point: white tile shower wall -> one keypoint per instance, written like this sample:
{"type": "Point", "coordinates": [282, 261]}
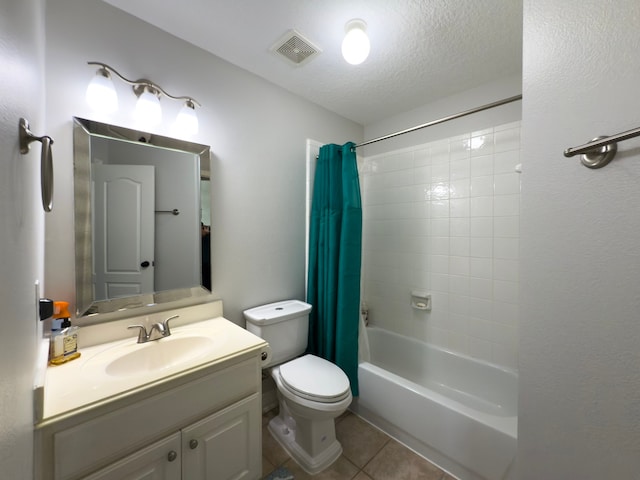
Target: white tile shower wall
{"type": "Point", "coordinates": [444, 217]}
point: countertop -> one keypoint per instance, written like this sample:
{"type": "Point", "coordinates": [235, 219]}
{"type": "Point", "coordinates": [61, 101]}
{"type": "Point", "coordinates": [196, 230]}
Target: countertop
{"type": "Point", "coordinates": [85, 381]}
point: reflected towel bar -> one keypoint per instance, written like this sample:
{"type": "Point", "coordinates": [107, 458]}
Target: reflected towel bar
{"type": "Point", "coordinates": [175, 211]}
{"type": "Point", "coordinates": [601, 150]}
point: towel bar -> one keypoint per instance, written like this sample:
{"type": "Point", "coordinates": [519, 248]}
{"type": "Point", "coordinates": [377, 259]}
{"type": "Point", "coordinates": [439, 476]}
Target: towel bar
{"type": "Point", "coordinates": [601, 150]}
{"type": "Point", "coordinates": [46, 162]}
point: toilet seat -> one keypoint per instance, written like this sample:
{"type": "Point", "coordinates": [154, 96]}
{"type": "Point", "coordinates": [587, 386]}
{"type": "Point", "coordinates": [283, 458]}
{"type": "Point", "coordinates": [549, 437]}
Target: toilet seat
{"type": "Point", "coordinates": [315, 379]}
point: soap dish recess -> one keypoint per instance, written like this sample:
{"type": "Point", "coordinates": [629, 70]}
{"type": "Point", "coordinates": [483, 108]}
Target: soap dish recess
{"type": "Point", "coordinates": [420, 300]}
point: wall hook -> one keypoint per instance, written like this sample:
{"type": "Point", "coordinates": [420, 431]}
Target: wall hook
{"type": "Point", "coordinates": [46, 162]}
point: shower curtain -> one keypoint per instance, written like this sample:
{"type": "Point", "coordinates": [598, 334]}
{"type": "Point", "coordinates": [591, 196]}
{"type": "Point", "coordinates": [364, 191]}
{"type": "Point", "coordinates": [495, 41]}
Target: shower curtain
{"type": "Point", "coordinates": [335, 245]}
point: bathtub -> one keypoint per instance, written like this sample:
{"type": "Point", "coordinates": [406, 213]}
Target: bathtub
{"type": "Point", "coordinates": [458, 412]}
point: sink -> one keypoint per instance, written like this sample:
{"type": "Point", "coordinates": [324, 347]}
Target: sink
{"type": "Point", "coordinates": [131, 359]}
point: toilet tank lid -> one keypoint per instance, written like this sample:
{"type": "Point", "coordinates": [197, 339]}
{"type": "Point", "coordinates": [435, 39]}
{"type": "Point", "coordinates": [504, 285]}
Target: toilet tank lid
{"type": "Point", "coordinates": [276, 312]}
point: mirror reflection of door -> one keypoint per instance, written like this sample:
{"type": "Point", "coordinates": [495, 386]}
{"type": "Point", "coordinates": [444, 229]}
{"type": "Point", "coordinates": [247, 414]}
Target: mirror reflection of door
{"type": "Point", "coordinates": [123, 230]}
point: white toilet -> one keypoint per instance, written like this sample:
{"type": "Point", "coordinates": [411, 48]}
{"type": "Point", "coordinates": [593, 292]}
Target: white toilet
{"type": "Point", "coordinates": [312, 391]}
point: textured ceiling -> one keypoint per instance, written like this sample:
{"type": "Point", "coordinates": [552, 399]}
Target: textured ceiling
{"type": "Point", "coordinates": [421, 50]}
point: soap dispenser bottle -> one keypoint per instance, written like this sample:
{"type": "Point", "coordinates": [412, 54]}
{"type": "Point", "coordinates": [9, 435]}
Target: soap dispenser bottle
{"type": "Point", "coordinates": [63, 345]}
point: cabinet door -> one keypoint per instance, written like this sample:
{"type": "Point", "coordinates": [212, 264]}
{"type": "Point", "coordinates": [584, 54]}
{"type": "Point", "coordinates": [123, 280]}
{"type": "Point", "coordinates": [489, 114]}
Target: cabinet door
{"type": "Point", "coordinates": [159, 461]}
{"type": "Point", "coordinates": [226, 445]}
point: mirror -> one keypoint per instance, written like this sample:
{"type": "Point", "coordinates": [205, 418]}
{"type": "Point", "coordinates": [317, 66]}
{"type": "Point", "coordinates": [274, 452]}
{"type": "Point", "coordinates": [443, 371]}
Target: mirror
{"type": "Point", "coordinates": [142, 217]}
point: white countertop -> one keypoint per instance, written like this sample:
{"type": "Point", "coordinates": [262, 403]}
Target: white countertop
{"type": "Point", "coordinates": [85, 381]}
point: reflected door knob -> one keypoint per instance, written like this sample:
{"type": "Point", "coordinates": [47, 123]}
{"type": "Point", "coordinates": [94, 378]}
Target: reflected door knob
{"type": "Point", "coordinates": [145, 264]}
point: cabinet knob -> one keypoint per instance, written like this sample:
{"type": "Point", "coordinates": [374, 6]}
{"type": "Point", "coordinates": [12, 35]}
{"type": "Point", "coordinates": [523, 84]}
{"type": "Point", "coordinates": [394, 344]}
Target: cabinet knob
{"type": "Point", "coordinates": [193, 444]}
{"type": "Point", "coordinates": [172, 456]}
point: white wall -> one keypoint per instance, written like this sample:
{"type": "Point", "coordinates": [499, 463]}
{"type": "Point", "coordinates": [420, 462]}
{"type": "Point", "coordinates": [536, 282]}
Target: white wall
{"type": "Point", "coordinates": [21, 228]}
{"type": "Point", "coordinates": [580, 312]}
{"type": "Point", "coordinates": [443, 218]}
{"type": "Point", "coordinates": [256, 130]}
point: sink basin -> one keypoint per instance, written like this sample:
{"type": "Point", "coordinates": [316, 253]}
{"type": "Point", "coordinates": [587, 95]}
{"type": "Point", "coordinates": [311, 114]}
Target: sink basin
{"type": "Point", "coordinates": [133, 359]}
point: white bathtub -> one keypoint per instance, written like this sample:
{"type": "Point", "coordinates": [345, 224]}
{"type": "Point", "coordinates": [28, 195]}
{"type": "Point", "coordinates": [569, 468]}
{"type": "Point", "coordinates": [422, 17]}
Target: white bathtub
{"type": "Point", "coordinates": [458, 412]}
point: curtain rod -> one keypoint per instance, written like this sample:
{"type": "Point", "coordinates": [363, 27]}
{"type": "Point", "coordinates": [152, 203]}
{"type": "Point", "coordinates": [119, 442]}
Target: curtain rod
{"type": "Point", "coordinates": [442, 120]}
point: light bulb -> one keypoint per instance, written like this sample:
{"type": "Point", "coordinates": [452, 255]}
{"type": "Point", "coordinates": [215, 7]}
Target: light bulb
{"type": "Point", "coordinates": [101, 94]}
{"type": "Point", "coordinates": [187, 120]}
{"type": "Point", "coordinates": [148, 110]}
{"type": "Point", "coordinates": [355, 46]}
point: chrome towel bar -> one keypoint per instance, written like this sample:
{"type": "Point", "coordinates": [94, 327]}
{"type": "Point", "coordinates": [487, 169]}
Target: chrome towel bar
{"type": "Point", "coordinates": [601, 150]}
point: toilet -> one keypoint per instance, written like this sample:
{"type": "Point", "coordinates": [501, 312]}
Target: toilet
{"type": "Point", "coordinates": [312, 391]}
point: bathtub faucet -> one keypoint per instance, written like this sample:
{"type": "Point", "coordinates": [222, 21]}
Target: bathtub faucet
{"type": "Point", "coordinates": [364, 311]}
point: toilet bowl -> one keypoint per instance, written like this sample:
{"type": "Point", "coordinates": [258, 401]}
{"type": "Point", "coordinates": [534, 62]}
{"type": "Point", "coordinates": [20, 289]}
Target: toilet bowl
{"type": "Point", "coordinates": [312, 392]}
{"type": "Point", "coordinates": [309, 405]}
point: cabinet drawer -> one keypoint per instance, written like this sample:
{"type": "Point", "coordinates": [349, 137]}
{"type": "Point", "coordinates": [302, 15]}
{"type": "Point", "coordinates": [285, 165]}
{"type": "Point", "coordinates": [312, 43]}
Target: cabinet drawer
{"type": "Point", "coordinates": [85, 447]}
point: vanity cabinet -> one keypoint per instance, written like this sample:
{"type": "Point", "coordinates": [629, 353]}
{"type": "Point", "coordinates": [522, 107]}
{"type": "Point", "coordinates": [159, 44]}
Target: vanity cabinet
{"type": "Point", "coordinates": [205, 424]}
{"type": "Point", "coordinates": [221, 446]}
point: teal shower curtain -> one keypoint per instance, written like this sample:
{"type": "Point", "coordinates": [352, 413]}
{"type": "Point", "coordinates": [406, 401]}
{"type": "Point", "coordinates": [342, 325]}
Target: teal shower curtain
{"type": "Point", "coordinates": [335, 244]}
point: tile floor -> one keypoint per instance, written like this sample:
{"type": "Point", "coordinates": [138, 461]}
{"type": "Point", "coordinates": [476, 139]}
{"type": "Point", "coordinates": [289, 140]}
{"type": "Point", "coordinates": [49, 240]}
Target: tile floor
{"type": "Point", "coordinates": [368, 454]}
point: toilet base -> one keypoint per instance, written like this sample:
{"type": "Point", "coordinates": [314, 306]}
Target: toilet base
{"type": "Point", "coordinates": [284, 431]}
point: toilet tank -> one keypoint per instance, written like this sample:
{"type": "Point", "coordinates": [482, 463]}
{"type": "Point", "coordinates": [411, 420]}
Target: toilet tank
{"type": "Point", "coordinates": [284, 325]}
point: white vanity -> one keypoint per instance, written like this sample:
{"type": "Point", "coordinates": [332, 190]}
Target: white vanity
{"type": "Point", "coordinates": [187, 406]}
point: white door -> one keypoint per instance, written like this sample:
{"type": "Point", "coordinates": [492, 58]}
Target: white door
{"type": "Point", "coordinates": [123, 224]}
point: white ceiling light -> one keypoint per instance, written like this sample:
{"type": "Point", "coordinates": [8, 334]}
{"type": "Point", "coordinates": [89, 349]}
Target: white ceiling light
{"type": "Point", "coordinates": [355, 46]}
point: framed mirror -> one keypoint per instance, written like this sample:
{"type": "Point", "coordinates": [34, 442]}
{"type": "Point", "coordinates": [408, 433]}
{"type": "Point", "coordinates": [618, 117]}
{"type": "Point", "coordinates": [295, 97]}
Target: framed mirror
{"type": "Point", "coordinates": [142, 217]}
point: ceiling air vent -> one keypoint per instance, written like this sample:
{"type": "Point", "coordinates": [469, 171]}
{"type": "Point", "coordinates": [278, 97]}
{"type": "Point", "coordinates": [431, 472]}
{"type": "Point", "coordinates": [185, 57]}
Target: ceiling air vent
{"type": "Point", "coordinates": [295, 48]}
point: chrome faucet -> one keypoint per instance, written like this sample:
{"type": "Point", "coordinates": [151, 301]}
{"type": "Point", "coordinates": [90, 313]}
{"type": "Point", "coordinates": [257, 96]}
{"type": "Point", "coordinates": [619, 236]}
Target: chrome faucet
{"type": "Point", "coordinates": [162, 329]}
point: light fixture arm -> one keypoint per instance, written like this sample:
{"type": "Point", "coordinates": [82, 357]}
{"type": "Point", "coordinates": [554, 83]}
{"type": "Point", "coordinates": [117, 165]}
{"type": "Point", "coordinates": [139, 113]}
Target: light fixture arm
{"type": "Point", "coordinates": [139, 85]}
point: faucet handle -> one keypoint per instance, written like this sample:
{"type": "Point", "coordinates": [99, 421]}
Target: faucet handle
{"type": "Point", "coordinates": [167, 330]}
{"type": "Point", "coordinates": [143, 336]}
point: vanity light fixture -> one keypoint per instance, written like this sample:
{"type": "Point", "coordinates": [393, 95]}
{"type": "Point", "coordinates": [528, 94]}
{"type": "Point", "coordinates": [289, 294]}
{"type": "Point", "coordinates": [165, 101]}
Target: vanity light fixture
{"type": "Point", "coordinates": [101, 95]}
{"type": "Point", "coordinates": [355, 46]}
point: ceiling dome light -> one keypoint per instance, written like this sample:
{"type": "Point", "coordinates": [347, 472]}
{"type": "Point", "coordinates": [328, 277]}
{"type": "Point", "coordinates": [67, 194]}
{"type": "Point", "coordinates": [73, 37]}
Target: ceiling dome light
{"type": "Point", "coordinates": [101, 94]}
{"type": "Point", "coordinates": [355, 46]}
{"type": "Point", "coordinates": [187, 120]}
{"type": "Point", "coordinates": [148, 110]}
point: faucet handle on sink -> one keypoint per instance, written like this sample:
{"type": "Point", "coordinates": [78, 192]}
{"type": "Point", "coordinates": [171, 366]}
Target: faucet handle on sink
{"type": "Point", "coordinates": [167, 330]}
{"type": "Point", "coordinates": [143, 336]}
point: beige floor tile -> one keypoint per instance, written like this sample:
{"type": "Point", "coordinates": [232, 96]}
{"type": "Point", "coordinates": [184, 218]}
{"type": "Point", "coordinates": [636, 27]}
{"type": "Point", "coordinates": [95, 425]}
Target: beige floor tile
{"type": "Point", "coordinates": [448, 477]}
{"type": "Point", "coordinates": [267, 466]}
{"type": "Point", "coordinates": [271, 449]}
{"type": "Point", "coordinates": [362, 476]}
{"type": "Point", "coordinates": [342, 469]}
{"type": "Point", "coordinates": [360, 441]}
{"type": "Point", "coordinates": [396, 462]}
